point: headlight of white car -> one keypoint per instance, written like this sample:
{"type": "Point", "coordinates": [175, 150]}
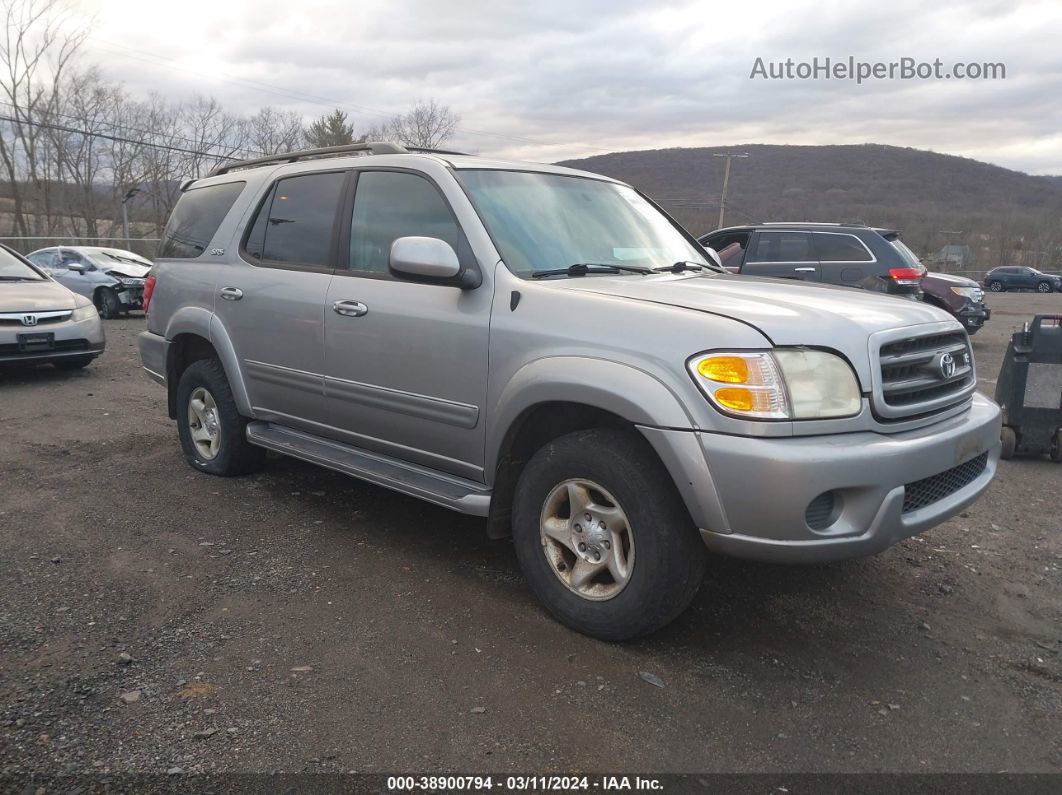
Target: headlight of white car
{"type": "Point", "coordinates": [84, 313]}
{"type": "Point", "coordinates": [783, 384]}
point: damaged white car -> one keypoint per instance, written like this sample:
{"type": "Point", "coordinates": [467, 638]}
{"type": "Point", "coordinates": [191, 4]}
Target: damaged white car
{"type": "Point", "coordinates": [111, 277]}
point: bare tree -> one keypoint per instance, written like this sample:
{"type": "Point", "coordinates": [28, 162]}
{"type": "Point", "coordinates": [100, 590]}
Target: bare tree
{"type": "Point", "coordinates": [35, 48]}
{"type": "Point", "coordinates": [270, 131]}
{"type": "Point", "coordinates": [427, 125]}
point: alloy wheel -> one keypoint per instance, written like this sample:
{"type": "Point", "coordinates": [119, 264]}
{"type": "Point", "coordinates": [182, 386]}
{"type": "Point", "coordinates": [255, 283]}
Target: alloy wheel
{"type": "Point", "coordinates": [587, 539]}
{"type": "Point", "coordinates": [204, 422]}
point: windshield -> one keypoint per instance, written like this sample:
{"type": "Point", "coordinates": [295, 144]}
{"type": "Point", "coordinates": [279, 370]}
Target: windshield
{"type": "Point", "coordinates": [12, 268]}
{"type": "Point", "coordinates": [544, 222]}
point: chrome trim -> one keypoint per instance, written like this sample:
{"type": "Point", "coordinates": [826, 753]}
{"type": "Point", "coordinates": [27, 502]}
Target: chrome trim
{"type": "Point", "coordinates": [879, 339]}
{"type": "Point", "coordinates": [47, 315]}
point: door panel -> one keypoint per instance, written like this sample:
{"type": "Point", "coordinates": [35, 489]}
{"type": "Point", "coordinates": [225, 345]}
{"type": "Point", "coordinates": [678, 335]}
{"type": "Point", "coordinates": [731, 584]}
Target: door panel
{"type": "Point", "coordinates": [273, 310]}
{"type": "Point", "coordinates": [408, 375]}
{"type": "Point", "coordinates": [786, 255]}
{"type": "Point", "coordinates": [843, 258]}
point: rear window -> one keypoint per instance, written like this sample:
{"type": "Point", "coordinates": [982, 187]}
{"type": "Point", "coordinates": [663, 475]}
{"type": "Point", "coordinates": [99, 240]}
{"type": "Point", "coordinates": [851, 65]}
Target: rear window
{"type": "Point", "coordinates": [195, 219]}
{"type": "Point", "coordinates": [909, 257]}
{"type": "Point", "coordinates": [834, 247]}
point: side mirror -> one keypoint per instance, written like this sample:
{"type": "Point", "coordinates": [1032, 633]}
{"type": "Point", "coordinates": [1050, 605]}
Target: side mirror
{"type": "Point", "coordinates": [713, 256]}
{"type": "Point", "coordinates": [423, 259]}
{"type": "Point", "coordinates": [77, 267]}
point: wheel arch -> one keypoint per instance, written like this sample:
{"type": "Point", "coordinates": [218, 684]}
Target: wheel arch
{"type": "Point", "coordinates": [551, 398]}
{"type": "Point", "coordinates": [193, 335]}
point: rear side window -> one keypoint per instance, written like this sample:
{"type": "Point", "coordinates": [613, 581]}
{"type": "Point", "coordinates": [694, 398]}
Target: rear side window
{"type": "Point", "coordinates": [392, 204]}
{"type": "Point", "coordinates": [195, 219]}
{"type": "Point", "coordinates": [840, 248]}
{"type": "Point", "coordinates": [295, 223]}
{"type": "Point", "coordinates": [782, 247]}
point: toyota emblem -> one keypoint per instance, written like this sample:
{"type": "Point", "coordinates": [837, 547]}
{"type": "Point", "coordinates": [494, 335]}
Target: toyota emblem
{"type": "Point", "coordinates": [29, 320]}
{"type": "Point", "coordinates": [946, 363]}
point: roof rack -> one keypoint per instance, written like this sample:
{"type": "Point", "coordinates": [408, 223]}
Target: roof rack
{"type": "Point", "coordinates": [367, 147]}
{"type": "Point", "coordinates": [809, 223]}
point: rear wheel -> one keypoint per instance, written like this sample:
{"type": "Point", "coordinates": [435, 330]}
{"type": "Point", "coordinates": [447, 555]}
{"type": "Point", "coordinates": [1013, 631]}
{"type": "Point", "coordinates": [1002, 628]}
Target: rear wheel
{"type": "Point", "coordinates": [211, 430]}
{"type": "Point", "coordinates": [1043, 287]}
{"type": "Point", "coordinates": [996, 286]}
{"type": "Point", "coordinates": [1056, 447]}
{"type": "Point", "coordinates": [603, 537]}
{"type": "Point", "coordinates": [107, 303]}
{"type": "Point", "coordinates": [1009, 441]}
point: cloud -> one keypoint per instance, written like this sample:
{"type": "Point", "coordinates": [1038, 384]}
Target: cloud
{"type": "Point", "coordinates": [549, 79]}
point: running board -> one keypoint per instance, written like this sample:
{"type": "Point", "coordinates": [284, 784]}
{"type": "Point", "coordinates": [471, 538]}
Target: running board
{"type": "Point", "coordinates": [449, 491]}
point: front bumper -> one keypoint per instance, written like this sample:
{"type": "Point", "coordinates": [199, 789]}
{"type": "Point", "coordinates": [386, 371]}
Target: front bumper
{"type": "Point", "coordinates": [72, 339]}
{"type": "Point", "coordinates": [131, 297]}
{"type": "Point", "coordinates": [973, 316]}
{"type": "Point", "coordinates": [752, 497]}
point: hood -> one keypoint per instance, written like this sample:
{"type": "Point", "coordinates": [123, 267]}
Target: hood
{"type": "Point", "coordinates": [947, 278]}
{"type": "Point", "coordinates": [35, 297]}
{"type": "Point", "coordinates": [786, 311]}
{"type": "Point", "coordinates": [129, 270]}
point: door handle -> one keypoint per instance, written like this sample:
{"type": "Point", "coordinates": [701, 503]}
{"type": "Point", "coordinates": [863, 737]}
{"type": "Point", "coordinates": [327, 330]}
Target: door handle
{"type": "Point", "coordinates": [231, 293]}
{"type": "Point", "coordinates": [349, 308]}
{"type": "Point", "coordinates": [804, 270]}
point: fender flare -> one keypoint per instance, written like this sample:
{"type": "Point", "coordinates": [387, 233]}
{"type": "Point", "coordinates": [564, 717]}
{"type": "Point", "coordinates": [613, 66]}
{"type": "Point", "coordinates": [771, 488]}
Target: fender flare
{"type": "Point", "coordinates": [203, 323]}
{"type": "Point", "coordinates": [628, 392]}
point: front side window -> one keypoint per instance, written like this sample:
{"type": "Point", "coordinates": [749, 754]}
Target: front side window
{"type": "Point", "coordinates": [196, 217]}
{"type": "Point", "coordinates": [782, 247]}
{"type": "Point", "coordinates": [393, 204]}
{"type": "Point", "coordinates": [294, 224]}
{"type": "Point", "coordinates": [840, 248]}
{"type": "Point", "coordinates": [544, 222]}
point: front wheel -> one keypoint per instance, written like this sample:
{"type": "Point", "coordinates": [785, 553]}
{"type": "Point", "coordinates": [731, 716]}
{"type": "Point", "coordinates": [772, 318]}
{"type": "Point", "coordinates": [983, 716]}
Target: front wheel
{"type": "Point", "coordinates": [108, 304]}
{"type": "Point", "coordinates": [1009, 440]}
{"type": "Point", "coordinates": [603, 537]}
{"type": "Point", "coordinates": [1056, 447]}
{"type": "Point", "coordinates": [212, 432]}
{"type": "Point", "coordinates": [996, 287]}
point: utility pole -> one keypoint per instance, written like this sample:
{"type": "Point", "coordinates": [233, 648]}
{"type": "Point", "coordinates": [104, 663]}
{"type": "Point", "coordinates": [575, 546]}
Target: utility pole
{"type": "Point", "coordinates": [726, 180]}
{"type": "Point", "coordinates": [125, 213]}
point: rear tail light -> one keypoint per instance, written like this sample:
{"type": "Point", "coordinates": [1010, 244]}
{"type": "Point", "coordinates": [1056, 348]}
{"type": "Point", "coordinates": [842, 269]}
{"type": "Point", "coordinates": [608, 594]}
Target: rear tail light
{"type": "Point", "coordinates": [906, 275]}
{"type": "Point", "coordinates": [149, 288]}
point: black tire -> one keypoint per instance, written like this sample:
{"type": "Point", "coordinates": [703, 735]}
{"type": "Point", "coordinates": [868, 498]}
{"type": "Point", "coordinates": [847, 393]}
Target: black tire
{"type": "Point", "coordinates": [74, 363]}
{"type": "Point", "coordinates": [1056, 447]}
{"type": "Point", "coordinates": [668, 567]}
{"type": "Point", "coordinates": [1009, 441]}
{"type": "Point", "coordinates": [996, 287]}
{"type": "Point", "coordinates": [1043, 287]}
{"type": "Point", "coordinates": [235, 455]}
{"type": "Point", "coordinates": [107, 303]}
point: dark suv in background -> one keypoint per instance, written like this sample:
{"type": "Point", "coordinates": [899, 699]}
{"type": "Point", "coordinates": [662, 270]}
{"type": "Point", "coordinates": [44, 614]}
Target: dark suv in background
{"type": "Point", "coordinates": [850, 255]}
{"type": "Point", "coordinates": [1019, 277]}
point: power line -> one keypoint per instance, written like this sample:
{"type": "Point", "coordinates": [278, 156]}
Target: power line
{"type": "Point", "coordinates": [170, 136]}
{"type": "Point", "coordinates": [118, 139]}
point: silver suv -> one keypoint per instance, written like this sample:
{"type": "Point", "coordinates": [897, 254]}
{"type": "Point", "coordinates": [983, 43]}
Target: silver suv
{"type": "Point", "coordinates": [547, 349]}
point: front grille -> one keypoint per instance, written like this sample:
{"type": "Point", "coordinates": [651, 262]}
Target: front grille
{"type": "Point", "coordinates": [927, 491]}
{"type": "Point", "coordinates": [41, 321]}
{"type": "Point", "coordinates": [915, 378]}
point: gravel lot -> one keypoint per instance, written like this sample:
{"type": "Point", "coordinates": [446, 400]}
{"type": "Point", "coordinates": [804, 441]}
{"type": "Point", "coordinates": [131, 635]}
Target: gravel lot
{"type": "Point", "coordinates": [298, 620]}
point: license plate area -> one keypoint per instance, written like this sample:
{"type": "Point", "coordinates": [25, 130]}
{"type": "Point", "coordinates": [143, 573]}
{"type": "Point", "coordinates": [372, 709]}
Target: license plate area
{"type": "Point", "coordinates": [38, 341]}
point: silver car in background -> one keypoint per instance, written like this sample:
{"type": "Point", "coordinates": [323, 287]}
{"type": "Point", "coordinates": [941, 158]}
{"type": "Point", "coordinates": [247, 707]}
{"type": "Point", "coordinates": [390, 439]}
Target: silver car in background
{"type": "Point", "coordinates": [42, 322]}
{"type": "Point", "coordinates": [111, 277]}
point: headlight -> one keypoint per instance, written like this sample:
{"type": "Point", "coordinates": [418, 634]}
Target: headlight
{"type": "Point", "coordinates": [782, 384]}
{"type": "Point", "coordinates": [84, 313]}
{"type": "Point", "coordinates": [973, 293]}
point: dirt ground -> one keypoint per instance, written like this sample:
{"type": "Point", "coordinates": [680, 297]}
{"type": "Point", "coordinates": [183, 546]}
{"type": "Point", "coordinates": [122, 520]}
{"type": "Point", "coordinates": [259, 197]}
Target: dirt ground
{"type": "Point", "coordinates": [298, 620]}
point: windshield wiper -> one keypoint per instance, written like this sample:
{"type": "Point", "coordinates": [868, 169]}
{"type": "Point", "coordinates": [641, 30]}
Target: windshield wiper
{"type": "Point", "coordinates": [681, 265]}
{"type": "Point", "coordinates": [583, 268]}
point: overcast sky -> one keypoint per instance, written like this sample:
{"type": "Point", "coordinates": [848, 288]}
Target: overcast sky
{"type": "Point", "coordinates": [551, 79]}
